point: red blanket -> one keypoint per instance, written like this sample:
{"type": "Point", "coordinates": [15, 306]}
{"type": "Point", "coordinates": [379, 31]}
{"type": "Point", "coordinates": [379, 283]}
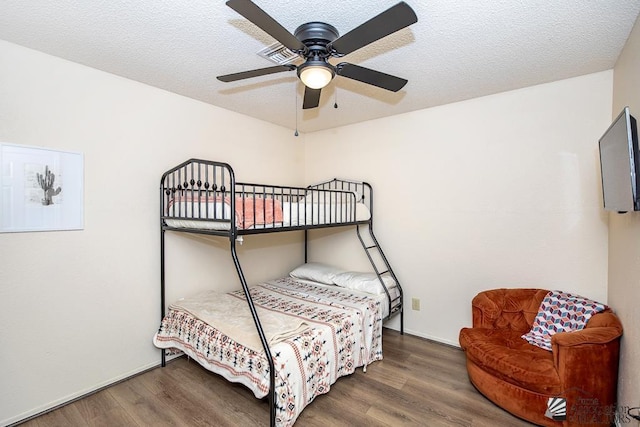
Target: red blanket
{"type": "Point", "coordinates": [256, 211]}
{"type": "Point", "coordinates": [250, 211]}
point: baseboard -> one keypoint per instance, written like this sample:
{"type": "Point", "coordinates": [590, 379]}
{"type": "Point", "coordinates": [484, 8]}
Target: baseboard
{"type": "Point", "coordinates": [432, 338]}
{"type": "Point", "coordinates": [426, 336]}
{"type": "Point", "coordinates": [422, 335]}
{"type": "Point", "coordinates": [58, 403]}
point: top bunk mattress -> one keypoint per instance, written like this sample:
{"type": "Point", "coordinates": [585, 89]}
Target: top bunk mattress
{"type": "Point", "coordinates": [266, 213]}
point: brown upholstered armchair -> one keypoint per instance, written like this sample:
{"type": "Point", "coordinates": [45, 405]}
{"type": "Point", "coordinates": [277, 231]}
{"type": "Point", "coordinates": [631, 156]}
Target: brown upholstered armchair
{"type": "Point", "coordinates": [520, 377]}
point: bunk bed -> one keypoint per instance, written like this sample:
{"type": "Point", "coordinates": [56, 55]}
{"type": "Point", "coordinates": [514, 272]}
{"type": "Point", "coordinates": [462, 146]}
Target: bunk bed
{"type": "Point", "coordinates": [301, 332]}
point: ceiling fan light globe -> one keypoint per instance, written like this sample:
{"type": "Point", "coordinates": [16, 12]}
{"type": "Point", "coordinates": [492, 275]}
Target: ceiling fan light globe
{"type": "Point", "coordinates": [316, 76]}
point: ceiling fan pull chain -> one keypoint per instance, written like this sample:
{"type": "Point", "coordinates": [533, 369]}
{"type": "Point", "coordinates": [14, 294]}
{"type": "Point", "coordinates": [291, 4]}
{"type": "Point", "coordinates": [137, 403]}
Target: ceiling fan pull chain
{"type": "Point", "coordinates": [335, 101]}
{"type": "Point", "coordinates": [295, 92]}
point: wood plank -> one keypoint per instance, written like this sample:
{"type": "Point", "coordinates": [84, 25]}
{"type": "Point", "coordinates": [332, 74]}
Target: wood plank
{"type": "Point", "coordinates": [97, 404]}
{"type": "Point", "coordinates": [67, 415]}
{"type": "Point", "coordinates": [387, 373]}
{"type": "Point", "coordinates": [144, 406]}
{"type": "Point", "coordinates": [113, 417]}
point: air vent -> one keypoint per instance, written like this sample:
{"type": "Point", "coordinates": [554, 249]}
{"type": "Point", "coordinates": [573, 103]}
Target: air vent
{"type": "Point", "coordinates": [279, 54]}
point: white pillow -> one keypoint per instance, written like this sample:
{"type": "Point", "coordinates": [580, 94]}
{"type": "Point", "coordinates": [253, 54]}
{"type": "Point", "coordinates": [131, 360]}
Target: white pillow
{"type": "Point", "coordinates": [316, 272]}
{"type": "Point", "coordinates": [365, 282]}
{"type": "Point", "coordinates": [332, 197]}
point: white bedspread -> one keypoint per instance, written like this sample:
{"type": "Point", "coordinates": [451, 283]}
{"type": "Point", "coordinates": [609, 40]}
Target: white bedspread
{"type": "Point", "coordinates": [231, 316]}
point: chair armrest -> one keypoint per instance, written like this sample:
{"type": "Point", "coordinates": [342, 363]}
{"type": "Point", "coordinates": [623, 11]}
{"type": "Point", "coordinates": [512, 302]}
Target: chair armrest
{"type": "Point", "coordinates": [587, 364]}
{"type": "Point", "coordinates": [484, 310]}
{"type": "Point", "coordinates": [585, 336]}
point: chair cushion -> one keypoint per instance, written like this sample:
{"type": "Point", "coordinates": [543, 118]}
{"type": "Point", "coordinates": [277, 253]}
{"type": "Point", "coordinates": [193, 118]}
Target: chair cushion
{"type": "Point", "coordinates": [504, 354]}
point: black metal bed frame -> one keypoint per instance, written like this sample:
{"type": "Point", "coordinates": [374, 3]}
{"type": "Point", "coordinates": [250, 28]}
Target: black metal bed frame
{"type": "Point", "coordinates": [185, 188]}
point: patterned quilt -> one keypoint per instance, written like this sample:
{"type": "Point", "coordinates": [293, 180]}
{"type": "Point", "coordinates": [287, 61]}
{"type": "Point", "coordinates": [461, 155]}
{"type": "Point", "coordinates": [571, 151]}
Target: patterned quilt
{"type": "Point", "coordinates": [345, 332]}
{"type": "Point", "coordinates": [560, 312]}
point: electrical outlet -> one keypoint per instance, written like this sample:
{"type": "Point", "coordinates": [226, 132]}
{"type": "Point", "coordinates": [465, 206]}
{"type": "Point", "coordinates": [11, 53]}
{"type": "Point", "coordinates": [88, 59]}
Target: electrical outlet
{"type": "Point", "coordinates": [415, 304]}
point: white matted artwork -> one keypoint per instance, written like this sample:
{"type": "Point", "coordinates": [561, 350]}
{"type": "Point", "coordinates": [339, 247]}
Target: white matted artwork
{"type": "Point", "coordinates": [41, 189]}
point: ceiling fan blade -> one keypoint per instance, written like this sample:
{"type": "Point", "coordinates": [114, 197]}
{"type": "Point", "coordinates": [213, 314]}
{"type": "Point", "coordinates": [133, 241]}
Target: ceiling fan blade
{"type": "Point", "coordinates": [388, 22]}
{"type": "Point", "coordinates": [255, 73]}
{"type": "Point", "coordinates": [261, 19]}
{"type": "Point", "coordinates": [311, 98]}
{"type": "Point", "coordinates": [369, 76]}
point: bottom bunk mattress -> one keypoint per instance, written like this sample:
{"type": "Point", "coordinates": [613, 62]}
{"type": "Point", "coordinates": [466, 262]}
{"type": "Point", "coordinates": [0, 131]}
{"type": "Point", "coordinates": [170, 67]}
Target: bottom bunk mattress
{"type": "Point", "coordinates": [316, 333]}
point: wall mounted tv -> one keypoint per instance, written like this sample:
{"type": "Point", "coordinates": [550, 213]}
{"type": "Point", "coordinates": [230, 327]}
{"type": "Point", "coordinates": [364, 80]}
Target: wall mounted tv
{"type": "Point", "coordinates": [619, 161]}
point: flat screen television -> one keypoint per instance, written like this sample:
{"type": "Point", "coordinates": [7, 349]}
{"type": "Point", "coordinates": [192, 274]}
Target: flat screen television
{"type": "Point", "coordinates": [619, 160]}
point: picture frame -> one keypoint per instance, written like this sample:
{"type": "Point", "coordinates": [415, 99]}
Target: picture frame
{"type": "Point", "coordinates": [40, 189]}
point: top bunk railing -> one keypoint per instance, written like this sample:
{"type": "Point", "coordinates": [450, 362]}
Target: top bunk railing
{"type": "Point", "coordinates": [203, 196]}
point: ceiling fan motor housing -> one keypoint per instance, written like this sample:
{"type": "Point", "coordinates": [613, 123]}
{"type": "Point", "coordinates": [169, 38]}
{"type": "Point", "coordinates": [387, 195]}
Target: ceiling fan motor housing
{"type": "Point", "coordinates": [316, 36]}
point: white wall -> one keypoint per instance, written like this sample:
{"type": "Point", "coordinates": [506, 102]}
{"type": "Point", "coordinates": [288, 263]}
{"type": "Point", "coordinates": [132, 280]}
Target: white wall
{"type": "Point", "coordinates": [79, 308]}
{"type": "Point", "coordinates": [624, 236]}
{"type": "Point", "coordinates": [499, 191]}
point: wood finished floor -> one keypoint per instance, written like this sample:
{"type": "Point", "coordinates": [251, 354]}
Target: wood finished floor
{"type": "Point", "coordinates": [419, 383]}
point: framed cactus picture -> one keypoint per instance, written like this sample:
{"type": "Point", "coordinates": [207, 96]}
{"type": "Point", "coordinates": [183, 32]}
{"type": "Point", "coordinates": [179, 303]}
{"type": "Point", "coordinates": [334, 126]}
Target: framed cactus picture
{"type": "Point", "coordinates": [40, 189]}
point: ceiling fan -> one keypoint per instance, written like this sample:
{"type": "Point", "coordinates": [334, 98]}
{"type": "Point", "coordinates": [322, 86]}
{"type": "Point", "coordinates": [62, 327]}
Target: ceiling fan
{"type": "Point", "coordinates": [316, 42]}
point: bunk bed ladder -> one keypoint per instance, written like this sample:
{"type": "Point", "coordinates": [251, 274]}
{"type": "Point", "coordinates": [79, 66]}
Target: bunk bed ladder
{"type": "Point", "coordinates": [381, 267]}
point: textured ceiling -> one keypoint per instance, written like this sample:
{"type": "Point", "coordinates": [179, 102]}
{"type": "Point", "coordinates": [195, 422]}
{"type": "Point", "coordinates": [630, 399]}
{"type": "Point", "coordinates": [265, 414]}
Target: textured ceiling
{"type": "Point", "coordinates": [457, 50]}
